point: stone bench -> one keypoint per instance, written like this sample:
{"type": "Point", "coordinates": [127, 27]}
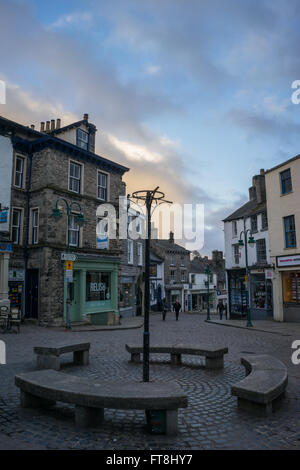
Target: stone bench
{"type": "Point", "coordinates": [48, 357]}
{"type": "Point", "coordinates": [266, 380]}
{"type": "Point", "coordinates": [214, 355]}
{"type": "Point", "coordinates": [44, 388]}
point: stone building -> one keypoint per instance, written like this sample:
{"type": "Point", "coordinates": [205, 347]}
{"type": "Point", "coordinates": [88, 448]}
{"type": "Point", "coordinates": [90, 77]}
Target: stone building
{"type": "Point", "coordinates": [176, 269]}
{"type": "Point", "coordinates": [57, 167]}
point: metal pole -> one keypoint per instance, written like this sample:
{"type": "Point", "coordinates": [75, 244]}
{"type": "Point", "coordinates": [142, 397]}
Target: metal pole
{"type": "Point", "coordinates": [208, 306]}
{"type": "Point", "coordinates": [68, 301]}
{"type": "Point", "coordinates": [248, 277]}
{"type": "Point", "coordinates": [147, 292]}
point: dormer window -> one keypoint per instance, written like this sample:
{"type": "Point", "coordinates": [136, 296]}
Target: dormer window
{"type": "Point", "coordinates": [82, 139]}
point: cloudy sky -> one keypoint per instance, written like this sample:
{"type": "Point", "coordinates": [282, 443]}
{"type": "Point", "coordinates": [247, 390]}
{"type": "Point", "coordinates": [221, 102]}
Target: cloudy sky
{"type": "Point", "coordinates": [193, 95]}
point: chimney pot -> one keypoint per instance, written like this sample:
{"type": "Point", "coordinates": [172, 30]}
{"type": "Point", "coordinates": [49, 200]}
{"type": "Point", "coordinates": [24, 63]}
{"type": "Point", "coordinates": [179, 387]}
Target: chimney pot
{"type": "Point", "coordinates": [52, 124]}
{"type": "Point", "coordinates": [171, 237]}
{"type": "Point", "coordinates": [32, 126]}
{"type": "Point", "coordinates": [58, 123]}
{"type": "Point", "coordinates": [86, 117]}
{"type": "Point", "coordinates": [262, 171]}
{"type": "Point", "coordinates": [42, 126]}
{"type": "Point", "coordinates": [47, 125]}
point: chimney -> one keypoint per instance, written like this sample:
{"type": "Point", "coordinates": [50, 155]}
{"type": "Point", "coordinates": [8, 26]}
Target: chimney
{"type": "Point", "coordinates": [47, 126]}
{"type": "Point", "coordinates": [42, 127]}
{"type": "Point", "coordinates": [171, 237]}
{"type": "Point", "coordinates": [260, 186]}
{"type": "Point", "coordinates": [52, 124]}
{"type": "Point", "coordinates": [86, 117]}
{"type": "Point", "coordinates": [58, 123]}
{"type": "Point", "coordinates": [32, 127]}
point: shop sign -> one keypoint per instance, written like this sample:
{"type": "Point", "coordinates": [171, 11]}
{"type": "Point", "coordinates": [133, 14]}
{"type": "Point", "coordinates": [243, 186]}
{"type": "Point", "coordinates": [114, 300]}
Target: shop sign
{"type": "Point", "coordinates": [292, 260]}
{"type": "Point", "coordinates": [269, 274]}
{"type": "Point", "coordinates": [102, 243]}
{"type": "Point", "coordinates": [16, 275]}
{"type": "Point", "coordinates": [97, 287]}
{"type": "Point", "coordinates": [6, 247]}
{"type": "Point", "coordinates": [3, 217]}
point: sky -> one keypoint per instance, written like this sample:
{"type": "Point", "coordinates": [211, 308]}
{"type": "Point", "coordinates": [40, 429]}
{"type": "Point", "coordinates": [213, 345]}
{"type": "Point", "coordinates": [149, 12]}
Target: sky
{"type": "Point", "coordinates": [194, 96]}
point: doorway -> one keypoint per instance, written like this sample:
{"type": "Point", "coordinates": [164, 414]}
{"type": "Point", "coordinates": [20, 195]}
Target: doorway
{"type": "Point", "coordinates": [32, 294]}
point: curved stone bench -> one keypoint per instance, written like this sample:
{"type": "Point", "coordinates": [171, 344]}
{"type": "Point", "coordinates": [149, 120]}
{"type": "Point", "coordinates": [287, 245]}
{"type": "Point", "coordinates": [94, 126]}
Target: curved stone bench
{"type": "Point", "coordinates": [214, 355]}
{"type": "Point", "coordinates": [44, 388]}
{"type": "Point", "coordinates": [266, 380]}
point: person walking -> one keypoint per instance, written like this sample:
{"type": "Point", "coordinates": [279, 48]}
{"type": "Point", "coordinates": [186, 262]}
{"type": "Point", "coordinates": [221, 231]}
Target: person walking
{"type": "Point", "coordinates": [176, 309]}
{"type": "Point", "coordinates": [164, 308]}
{"type": "Point", "coordinates": [220, 308]}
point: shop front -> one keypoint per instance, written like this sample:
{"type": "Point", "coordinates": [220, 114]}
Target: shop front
{"type": "Point", "coordinates": [261, 295]}
{"type": "Point", "coordinates": [237, 293]}
{"type": "Point", "coordinates": [94, 290]}
{"type": "Point", "coordinates": [289, 269]}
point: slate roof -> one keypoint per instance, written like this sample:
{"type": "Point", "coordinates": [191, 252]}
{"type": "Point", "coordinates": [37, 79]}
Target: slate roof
{"type": "Point", "coordinates": [251, 207]}
{"type": "Point", "coordinates": [171, 247]}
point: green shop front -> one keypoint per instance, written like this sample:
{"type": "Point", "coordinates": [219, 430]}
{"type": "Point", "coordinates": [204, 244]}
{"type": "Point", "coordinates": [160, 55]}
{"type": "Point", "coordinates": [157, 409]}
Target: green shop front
{"type": "Point", "coordinates": [94, 290]}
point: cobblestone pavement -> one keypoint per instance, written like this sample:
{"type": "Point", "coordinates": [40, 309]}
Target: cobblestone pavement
{"type": "Point", "coordinates": [211, 421]}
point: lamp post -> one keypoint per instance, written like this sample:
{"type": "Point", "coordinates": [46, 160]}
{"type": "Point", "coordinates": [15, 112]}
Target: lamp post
{"type": "Point", "coordinates": [245, 243]}
{"type": "Point", "coordinates": [208, 272]}
{"type": "Point", "coordinates": [148, 197]}
{"type": "Point", "coordinates": [57, 213]}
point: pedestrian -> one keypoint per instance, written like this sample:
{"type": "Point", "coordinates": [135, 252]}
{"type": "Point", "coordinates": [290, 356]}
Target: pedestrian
{"type": "Point", "coordinates": [220, 308]}
{"type": "Point", "coordinates": [176, 309]}
{"type": "Point", "coordinates": [164, 308]}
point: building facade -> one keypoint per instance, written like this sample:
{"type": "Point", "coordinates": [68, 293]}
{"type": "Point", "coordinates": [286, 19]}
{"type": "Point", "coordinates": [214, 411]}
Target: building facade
{"type": "Point", "coordinates": [57, 168]}
{"type": "Point", "coordinates": [201, 285]}
{"type": "Point", "coordinates": [157, 281]}
{"type": "Point", "coordinates": [283, 202]}
{"type": "Point", "coordinates": [251, 219]}
{"type": "Point", "coordinates": [176, 269]}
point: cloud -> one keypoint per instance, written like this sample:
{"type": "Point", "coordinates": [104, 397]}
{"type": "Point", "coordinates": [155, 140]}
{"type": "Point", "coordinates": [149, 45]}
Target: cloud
{"type": "Point", "coordinates": [81, 20]}
{"type": "Point", "coordinates": [153, 70]}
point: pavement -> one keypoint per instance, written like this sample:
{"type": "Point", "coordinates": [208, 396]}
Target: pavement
{"type": "Point", "coordinates": [267, 326]}
{"type": "Point", "coordinates": [212, 419]}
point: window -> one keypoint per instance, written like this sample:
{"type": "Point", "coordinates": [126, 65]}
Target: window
{"type": "Point", "coordinates": [286, 181]}
{"type": "Point", "coordinates": [19, 171]}
{"type": "Point", "coordinates": [74, 231]}
{"type": "Point", "coordinates": [264, 221]}
{"type": "Point", "coordinates": [172, 275]}
{"type": "Point", "coordinates": [182, 276]}
{"type": "Point", "coordinates": [234, 229]}
{"type": "Point", "coordinates": [16, 226]}
{"type": "Point", "coordinates": [102, 186]}
{"type": "Point", "coordinates": [291, 287]}
{"type": "Point", "coordinates": [172, 260]}
{"type": "Point", "coordinates": [261, 253]}
{"type": "Point", "coordinates": [82, 139]}
{"type": "Point", "coordinates": [75, 177]}
{"type": "Point", "coordinates": [193, 278]}
{"type": "Point", "coordinates": [34, 226]}
{"type": "Point", "coordinates": [140, 254]}
{"type": "Point", "coordinates": [236, 254]}
{"type": "Point", "coordinates": [290, 231]}
{"type": "Point", "coordinates": [97, 286]}
{"type": "Point", "coordinates": [130, 251]}
{"type": "Point", "coordinates": [153, 270]}
{"type": "Point", "coordinates": [254, 223]}
{"type": "Point", "coordinates": [182, 261]}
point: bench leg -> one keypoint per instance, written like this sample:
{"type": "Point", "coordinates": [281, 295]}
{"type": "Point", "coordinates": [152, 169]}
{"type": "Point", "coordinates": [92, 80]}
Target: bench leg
{"type": "Point", "coordinates": [214, 362]}
{"type": "Point", "coordinates": [171, 422]}
{"type": "Point", "coordinates": [85, 417]}
{"type": "Point", "coordinates": [31, 401]}
{"type": "Point", "coordinates": [175, 359]}
{"type": "Point", "coordinates": [136, 357]}
{"type": "Point", "coordinates": [81, 358]}
{"type": "Point", "coordinates": [45, 361]}
{"type": "Point", "coordinates": [261, 409]}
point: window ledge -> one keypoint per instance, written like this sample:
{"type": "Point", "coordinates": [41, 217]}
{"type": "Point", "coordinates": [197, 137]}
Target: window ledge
{"type": "Point", "coordinates": [286, 194]}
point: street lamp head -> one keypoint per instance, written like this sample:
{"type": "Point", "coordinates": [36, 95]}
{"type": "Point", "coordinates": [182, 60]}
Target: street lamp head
{"type": "Point", "coordinates": [241, 243]}
{"type": "Point", "coordinates": [56, 212]}
{"type": "Point", "coordinates": [207, 270]}
{"type": "Point", "coordinates": [80, 219]}
{"type": "Point", "coordinates": [251, 241]}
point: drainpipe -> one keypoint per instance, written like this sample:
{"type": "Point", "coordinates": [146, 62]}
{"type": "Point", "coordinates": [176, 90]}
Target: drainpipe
{"type": "Point", "coordinates": [27, 218]}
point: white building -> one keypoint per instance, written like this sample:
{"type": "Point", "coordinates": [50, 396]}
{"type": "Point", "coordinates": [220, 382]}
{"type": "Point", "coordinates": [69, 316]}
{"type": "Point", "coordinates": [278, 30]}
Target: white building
{"type": "Point", "coordinates": [157, 281]}
{"type": "Point", "coordinates": [198, 288]}
{"type": "Point", "coordinates": [283, 202]}
{"type": "Point", "coordinates": [250, 219]}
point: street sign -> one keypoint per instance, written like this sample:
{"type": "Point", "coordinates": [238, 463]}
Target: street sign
{"type": "Point", "coordinates": [69, 275]}
{"type": "Point", "coordinates": [3, 217]}
{"type": "Point", "coordinates": [246, 278]}
{"type": "Point", "coordinates": [69, 265]}
{"type": "Point", "coordinates": [68, 257]}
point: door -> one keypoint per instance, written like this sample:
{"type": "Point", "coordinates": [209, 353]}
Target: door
{"type": "Point", "coordinates": [74, 289]}
{"type": "Point", "coordinates": [32, 294]}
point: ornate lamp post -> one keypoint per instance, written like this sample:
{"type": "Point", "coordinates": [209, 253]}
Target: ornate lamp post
{"type": "Point", "coordinates": [208, 272]}
{"type": "Point", "coordinates": [148, 197]}
{"type": "Point", "coordinates": [245, 243]}
{"type": "Point", "coordinates": [57, 213]}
